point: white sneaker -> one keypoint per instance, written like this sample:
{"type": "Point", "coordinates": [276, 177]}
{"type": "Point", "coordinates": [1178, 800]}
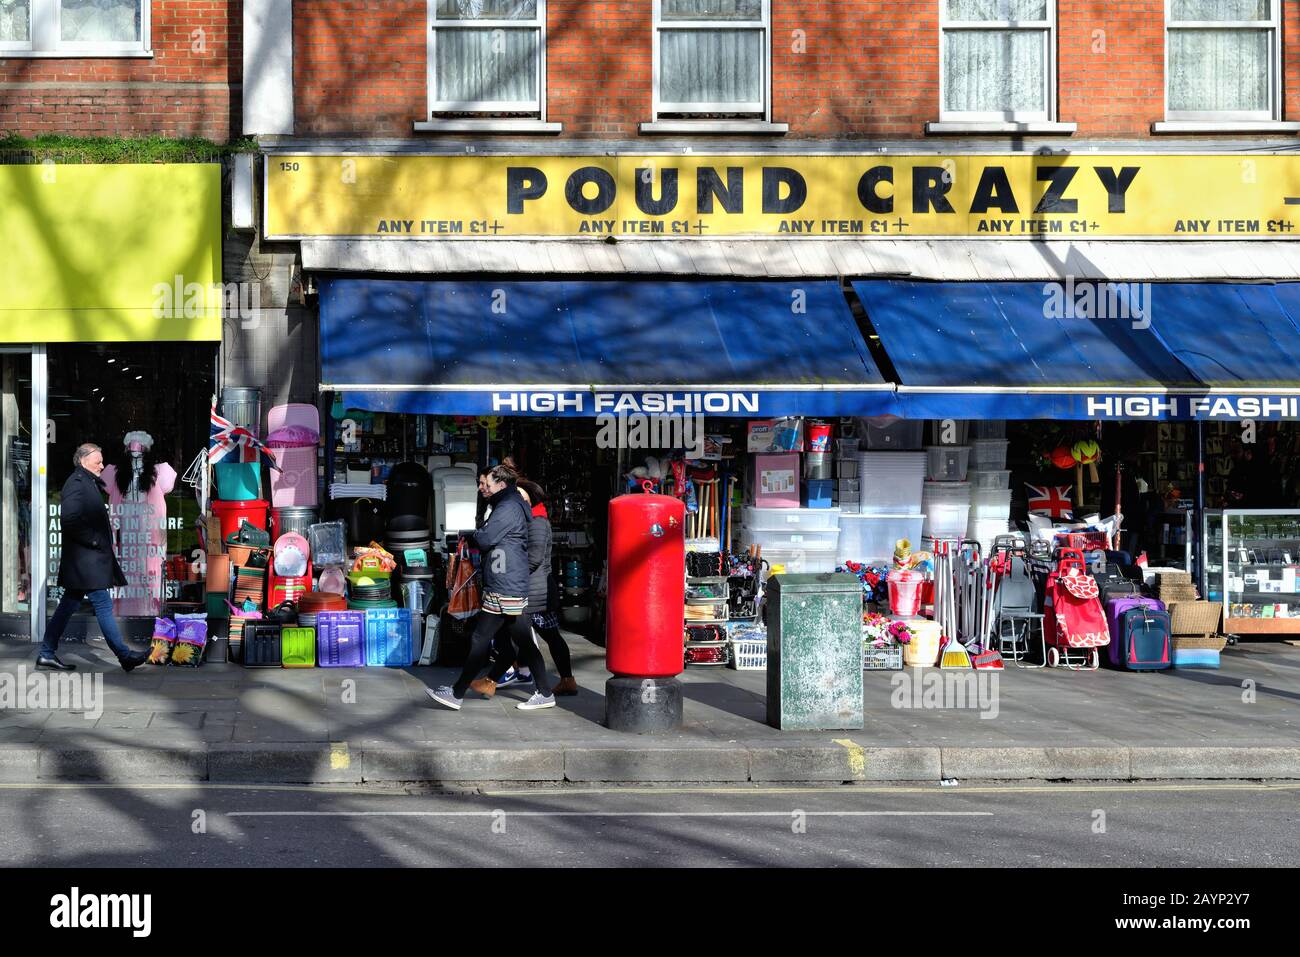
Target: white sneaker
{"type": "Point", "coordinates": [537, 702]}
{"type": "Point", "coordinates": [445, 697]}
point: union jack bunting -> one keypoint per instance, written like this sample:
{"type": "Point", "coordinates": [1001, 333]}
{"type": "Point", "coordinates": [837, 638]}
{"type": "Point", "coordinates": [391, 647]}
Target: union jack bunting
{"type": "Point", "coordinates": [228, 442]}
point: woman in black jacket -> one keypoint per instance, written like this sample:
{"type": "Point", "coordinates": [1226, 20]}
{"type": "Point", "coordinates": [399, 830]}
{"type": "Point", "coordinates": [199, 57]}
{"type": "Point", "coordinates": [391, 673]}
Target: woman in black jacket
{"type": "Point", "coordinates": [87, 568]}
{"type": "Point", "coordinates": [503, 545]}
{"type": "Point", "coordinates": [543, 602]}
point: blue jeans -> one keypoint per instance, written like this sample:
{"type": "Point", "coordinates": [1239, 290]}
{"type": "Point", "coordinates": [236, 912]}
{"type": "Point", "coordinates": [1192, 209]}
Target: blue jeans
{"type": "Point", "coordinates": [68, 604]}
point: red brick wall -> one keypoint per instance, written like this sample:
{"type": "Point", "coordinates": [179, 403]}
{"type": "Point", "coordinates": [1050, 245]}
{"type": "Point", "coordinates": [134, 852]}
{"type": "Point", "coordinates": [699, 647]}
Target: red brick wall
{"type": "Point", "coordinates": [180, 91]}
{"type": "Point", "coordinates": [841, 68]}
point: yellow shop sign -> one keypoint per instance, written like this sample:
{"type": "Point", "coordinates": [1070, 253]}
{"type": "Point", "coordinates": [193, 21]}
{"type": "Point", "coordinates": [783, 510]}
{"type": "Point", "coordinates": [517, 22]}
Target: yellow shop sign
{"type": "Point", "coordinates": [859, 197]}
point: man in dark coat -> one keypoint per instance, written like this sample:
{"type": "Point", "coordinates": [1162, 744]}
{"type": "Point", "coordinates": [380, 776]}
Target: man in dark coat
{"type": "Point", "coordinates": [88, 568]}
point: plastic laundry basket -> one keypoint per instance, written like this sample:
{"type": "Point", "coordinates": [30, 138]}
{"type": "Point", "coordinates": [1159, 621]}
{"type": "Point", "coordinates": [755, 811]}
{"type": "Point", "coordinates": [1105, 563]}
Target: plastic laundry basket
{"type": "Point", "coordinates": [294, 485]}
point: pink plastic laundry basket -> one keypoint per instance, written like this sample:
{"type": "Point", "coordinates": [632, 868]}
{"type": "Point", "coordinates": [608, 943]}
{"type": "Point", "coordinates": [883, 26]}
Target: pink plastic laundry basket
{"type": "Point", "coordinates": [295, 483]}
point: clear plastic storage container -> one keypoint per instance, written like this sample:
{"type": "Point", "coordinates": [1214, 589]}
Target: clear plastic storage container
{"type": "Point", "coordinates": [947, 463]}
{"type": "Point", "coordinates": [790, 519]}
{"type": "Point", "coordinates": [871, 538]}
{"type": "Point", "coordinates": [887, 434]}
{"type": "Point", "coordinates": [890, 482]}
{"type": "Point", "coordinates": [989, 479]}
{"type": "Point", "coordinates": [780, 538]}
{"type": "Point", "coordinates": [989, 454]}
{"type": "Point", "coordinates": [805, 560]}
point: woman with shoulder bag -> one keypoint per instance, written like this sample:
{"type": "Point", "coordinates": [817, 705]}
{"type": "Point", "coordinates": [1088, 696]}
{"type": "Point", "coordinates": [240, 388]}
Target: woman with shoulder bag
{"type": "Point", "coordinates": [503, 542]}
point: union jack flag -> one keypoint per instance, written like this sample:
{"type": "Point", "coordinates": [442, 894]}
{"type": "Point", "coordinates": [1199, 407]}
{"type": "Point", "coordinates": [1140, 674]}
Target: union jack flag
{"type": "Point", "coordinates": [1053, 500]}
{"type": "Point", "coordinates": [228, 442]}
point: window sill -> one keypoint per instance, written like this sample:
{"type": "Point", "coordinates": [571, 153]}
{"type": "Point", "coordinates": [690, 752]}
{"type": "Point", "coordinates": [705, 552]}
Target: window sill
{"type": "Point", "coordinates": [999, 127]}
{"type": "Point", "coordinates": [714, 126]}
{"type": "Point", "coordinates": [75, 54]}
{"type": "Point", "coordinates": [1226, 126]}
{"type": "Point", "coordinates": [487, 125]}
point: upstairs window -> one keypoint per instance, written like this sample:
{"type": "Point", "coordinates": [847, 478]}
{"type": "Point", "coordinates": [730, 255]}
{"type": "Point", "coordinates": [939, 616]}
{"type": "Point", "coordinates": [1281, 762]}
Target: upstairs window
{"type": "Point", "coordinates": [998, 60]}
{"type": "Point", "coordinates": [711, 57]}
{"type": "Point", "coordinates": [485, 56]}
{"type": "Point", "coordinates": [74, 27]}
{"type": "Point", "coordinates": [1224, 60]}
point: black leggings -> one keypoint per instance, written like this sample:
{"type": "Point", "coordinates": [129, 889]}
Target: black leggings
{"type": "Point", "coordinates": [554, 641]}
{"type": "Point", "coordinates": [486, 627]}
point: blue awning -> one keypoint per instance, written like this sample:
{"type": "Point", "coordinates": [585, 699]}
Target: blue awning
{"type": "Point", "coordinates": [748, 349]}
{"type": "Point", "coordinates": [1090, 350]}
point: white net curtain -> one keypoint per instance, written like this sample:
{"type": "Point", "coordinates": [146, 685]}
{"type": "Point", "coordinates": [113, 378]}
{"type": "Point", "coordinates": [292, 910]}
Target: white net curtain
{"type": "Point", "coordinates": [717, 66]}
{"type": "Point", "coordinates": [103, 21]}
{"type": "Point", "coordinates": [1220, 69]}
{"type": "Point", "coordinates": [487, 64]}
{"type": "Point", "coordinates": [15, 19]}
{"type": "Point", "coordinates": [1001, 70]}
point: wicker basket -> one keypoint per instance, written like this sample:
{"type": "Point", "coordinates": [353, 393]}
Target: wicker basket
{"type": "Point", "coordinates": [1195, 617]}
{"type": "Point", "coordinates": [1206, 642]}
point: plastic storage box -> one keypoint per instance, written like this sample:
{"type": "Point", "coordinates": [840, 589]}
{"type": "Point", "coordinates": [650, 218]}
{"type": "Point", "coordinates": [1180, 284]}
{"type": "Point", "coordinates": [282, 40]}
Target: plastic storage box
{"type": "Point", "coordinates": [947, 508]}
{"type": "Point", "coordinates": [790, 519]}
{"type": "Point", "coordinates": [298, 647]}
{"type": "Point", "coordinates": [820, 493]}
{"type": "Point", "coordinates": [947, 463]}
{"type": "Point", "coordinates": [990, 504]}
{"type": "Point", "coordinates": [989, 429]}
{"type": "Point", "coordinates": [949, 432]}
{"type": "Point", "coordinates": [989, 454]}
{"type": "Point", "coordinates": [989, 479]}
{"type": "Point", "coordinates": [802, 559]}
{"type": "Point", "coordinates": [893, 435]}
{"type": "Point", "coordinates": [389, 638]}
{"type": "Point", "coordinates": [871, 538]}
{"type": "Point", "coordinates": [890, 482]}
{"type": "Point", "coordinates": [781, 538]}
{"type": "Point", "coordinates": [341, 639]}
{"type": "Point", "coordinates": [262, 645]}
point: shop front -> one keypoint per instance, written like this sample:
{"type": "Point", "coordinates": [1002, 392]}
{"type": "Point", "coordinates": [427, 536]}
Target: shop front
{"type": "Point", "coordinates": [110, 319]}
{"type": "Point", "coordinates": [1033, 321]}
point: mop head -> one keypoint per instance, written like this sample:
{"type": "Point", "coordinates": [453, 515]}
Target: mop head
{"type": "Point", "coordinates": [954, 655]}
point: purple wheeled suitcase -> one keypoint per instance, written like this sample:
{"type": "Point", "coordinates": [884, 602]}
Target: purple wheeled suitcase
{"type": "Point", "coordinates": [1140, 634]}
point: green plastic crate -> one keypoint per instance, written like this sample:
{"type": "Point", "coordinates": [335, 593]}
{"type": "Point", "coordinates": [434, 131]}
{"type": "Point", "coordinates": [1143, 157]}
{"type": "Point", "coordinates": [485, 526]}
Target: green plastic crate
{"type": "Point", "coordinates": [298, 647]}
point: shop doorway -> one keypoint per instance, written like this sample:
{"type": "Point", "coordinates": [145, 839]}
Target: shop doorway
{"type": "Point", "coordinates": [16, 527]}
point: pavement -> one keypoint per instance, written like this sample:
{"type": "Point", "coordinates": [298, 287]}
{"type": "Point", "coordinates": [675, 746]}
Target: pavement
{"type": "Point", "coordinates": [225, 723]}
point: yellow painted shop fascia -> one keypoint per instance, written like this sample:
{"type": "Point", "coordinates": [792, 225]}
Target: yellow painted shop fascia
{"type": "Point", "coordinates": [96, 253]}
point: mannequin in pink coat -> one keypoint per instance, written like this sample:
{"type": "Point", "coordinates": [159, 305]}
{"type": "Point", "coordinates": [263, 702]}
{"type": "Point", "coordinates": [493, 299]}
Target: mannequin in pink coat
{"type": "Point", "coordinates": [137, 490]}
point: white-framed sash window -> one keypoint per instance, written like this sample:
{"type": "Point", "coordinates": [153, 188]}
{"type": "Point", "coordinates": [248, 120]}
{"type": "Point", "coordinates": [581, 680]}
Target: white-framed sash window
{"type": "Point", "coordinates": [487, 56]}
{"type": "Point", "coordinates": [74, 27]}
{"type": "Point", "coordinates": [1223, 60]}
{"type": "Point", "coordinates": [997, 60]}
{"type": "Point", "coordinates": [712, 58]}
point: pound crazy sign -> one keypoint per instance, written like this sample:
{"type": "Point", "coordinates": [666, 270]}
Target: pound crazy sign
{"type": "Point", "coordinates": [858, 197]}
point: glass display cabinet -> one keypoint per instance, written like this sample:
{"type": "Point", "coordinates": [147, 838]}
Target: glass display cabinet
{"type": "Point", "coordinates": [1252, 564]}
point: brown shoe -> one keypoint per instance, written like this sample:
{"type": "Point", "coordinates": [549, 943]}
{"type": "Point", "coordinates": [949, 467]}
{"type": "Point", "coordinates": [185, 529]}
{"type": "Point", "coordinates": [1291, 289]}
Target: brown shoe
{"type": "Point", "coordinates": [484, 686]}
{"type": "Point", "coordinates": [565, 687]}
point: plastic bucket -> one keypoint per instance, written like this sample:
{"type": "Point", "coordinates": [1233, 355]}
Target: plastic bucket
{"type": "Point", "coordinates": [230, 514]}
{"type": "Point", "coordinates": [819, 439]}
{"type": "Point", "coordinates": [905, 592]}
{"type": "Point", "coordinates": [923, 650]}
{"type": "Point", "coordinates": [238, 481]}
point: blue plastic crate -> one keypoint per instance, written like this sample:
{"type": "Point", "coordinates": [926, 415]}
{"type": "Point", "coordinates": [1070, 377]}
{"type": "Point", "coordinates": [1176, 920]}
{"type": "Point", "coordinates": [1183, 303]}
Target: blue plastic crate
{"type": "Point", "coordinates": [340, 639]}
{"type": "Point", "coordinates": [389, 638]}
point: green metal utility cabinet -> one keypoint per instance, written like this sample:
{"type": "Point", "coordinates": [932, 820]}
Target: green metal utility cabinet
{"type": "Point", "coordinates": [814, 652]}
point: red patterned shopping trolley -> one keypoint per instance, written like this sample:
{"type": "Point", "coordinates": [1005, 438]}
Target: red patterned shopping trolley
{"type": "Point", "coordinates": [1073, 617]}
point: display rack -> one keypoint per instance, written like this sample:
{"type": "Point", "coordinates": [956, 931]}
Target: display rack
{"type": "Point", "coordinates": [1252, 561]}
